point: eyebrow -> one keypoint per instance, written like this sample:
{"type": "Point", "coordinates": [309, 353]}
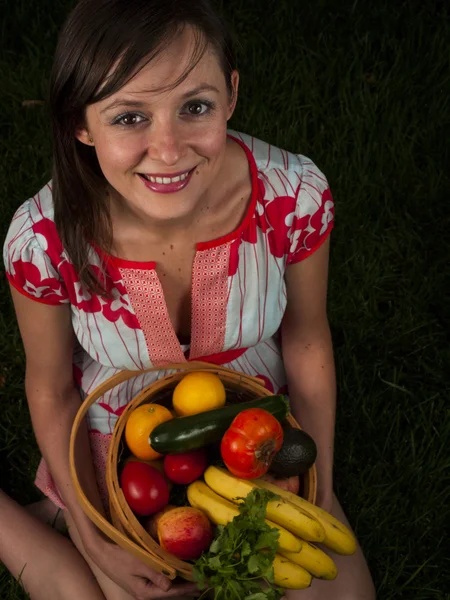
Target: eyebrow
{"type": "Point", "coordinates": [122, 102]}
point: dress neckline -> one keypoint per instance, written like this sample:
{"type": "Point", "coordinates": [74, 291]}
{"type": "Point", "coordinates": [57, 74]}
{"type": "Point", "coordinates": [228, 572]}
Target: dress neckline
{"type": "Point", "coordinates": [201, 246]}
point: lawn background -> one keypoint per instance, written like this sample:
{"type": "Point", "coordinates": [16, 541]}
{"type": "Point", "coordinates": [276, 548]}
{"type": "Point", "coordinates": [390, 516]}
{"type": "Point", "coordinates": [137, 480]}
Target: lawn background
{"type": "Point", "coordinates": [363, 89]}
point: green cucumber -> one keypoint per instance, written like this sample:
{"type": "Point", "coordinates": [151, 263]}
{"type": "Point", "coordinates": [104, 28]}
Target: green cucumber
{"type": "Point", "coordinates": [188, 433]}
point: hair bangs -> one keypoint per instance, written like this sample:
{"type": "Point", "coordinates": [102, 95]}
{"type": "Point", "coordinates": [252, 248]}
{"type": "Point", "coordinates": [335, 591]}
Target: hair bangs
{"type": "Point", "coordinates": [131, 62]}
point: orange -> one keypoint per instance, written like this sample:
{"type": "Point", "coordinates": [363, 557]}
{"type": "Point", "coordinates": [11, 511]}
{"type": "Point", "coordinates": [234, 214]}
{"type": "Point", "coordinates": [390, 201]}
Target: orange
{"type": "Point", "coordinates": [141, 422]}
{"type": "Point", "coordinates": [198, 392]}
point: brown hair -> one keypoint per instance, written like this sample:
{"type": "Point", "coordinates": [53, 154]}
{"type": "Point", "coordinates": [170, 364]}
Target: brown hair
{"type": "Point", "coordinates": [97, 36]}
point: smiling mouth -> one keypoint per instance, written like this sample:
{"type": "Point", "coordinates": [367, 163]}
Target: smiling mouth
{"type": "Point", "coordinates": [166, 180]}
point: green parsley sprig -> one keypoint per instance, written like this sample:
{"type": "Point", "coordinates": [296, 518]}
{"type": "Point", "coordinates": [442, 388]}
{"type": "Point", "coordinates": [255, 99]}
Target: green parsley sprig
{"type": "Point", "coordinates": [238, 565]}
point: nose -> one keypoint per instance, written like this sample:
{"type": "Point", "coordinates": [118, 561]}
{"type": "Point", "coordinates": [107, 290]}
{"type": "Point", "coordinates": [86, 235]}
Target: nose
{"type": "Point", "coordinates": [165, 143]}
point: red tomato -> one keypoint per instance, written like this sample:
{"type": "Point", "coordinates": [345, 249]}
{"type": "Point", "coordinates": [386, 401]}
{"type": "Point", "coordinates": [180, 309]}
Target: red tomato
{"type": "Point", "coordinates": [185, 468]}
{"type": "Point", "coordinates": [248, 446]}
{"type": "Point", "coordinates": [144, 488]}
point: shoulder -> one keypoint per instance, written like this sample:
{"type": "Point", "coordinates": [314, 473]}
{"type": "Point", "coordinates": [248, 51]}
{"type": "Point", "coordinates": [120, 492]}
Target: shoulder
{"type": "Point", "coordinates": [32, 216]}
{"type": "Point", "coordinates": [40, 206]}
{"type": "Point", "coordinates": [281, 172]}
{"type": "Point", "coordinates": [32, 229]}
{"type": "Point", "coordinates": [32, 249]}
{"type": "Point", "coordinates": [295, 201]}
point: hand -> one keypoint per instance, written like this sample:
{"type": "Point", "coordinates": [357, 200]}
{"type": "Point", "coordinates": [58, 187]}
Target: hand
{"type": "Point", "coordinates": [136, 578]}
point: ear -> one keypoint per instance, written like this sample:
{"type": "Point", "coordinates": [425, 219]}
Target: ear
{"type": "Point", "coordinates": [234, 96]}
{"type": "Point", "coordinates": [83, 136]}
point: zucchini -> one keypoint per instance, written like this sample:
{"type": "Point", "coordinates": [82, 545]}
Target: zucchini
{"type": "Point", "coordinates": [195, 431]}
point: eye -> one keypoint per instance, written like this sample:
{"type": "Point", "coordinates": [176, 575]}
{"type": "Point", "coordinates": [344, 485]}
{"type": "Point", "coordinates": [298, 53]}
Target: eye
{"type": "Point", "coordinates": [128, 119]}
{"type": "Point", "coordinates": [199, 108]}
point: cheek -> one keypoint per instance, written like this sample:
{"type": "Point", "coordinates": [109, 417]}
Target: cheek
{"type": "Point", "coordinates": [119, 153]}
{"type": "Point", "coordinates": [213, 140]}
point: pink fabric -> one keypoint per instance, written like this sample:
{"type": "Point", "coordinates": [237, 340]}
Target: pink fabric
{"type": "Point", "coordinates": [209, 295]}
{"type": "Point", "coordinates": [147, 298]}
{"type": "Point", "coordinates": [99, 448]}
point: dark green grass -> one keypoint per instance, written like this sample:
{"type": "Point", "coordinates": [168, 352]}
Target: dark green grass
{"type": "Point", "coordinates": [363, 89]}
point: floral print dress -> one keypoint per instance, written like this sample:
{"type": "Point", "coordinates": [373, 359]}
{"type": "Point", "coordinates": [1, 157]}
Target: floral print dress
{"type": "Point", "coordinates": [238, 290]}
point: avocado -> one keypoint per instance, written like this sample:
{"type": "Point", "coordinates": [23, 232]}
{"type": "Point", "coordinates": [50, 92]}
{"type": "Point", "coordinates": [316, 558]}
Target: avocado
{"type": "Point", "coordinates": [297, 454]}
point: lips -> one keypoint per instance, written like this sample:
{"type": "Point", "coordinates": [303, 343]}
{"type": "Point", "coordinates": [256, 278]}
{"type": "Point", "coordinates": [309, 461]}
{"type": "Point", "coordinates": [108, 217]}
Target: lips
{"type": "Point", "coordinates": [164, 179]}
{"type": "Point", "coordinates": [162, 184]}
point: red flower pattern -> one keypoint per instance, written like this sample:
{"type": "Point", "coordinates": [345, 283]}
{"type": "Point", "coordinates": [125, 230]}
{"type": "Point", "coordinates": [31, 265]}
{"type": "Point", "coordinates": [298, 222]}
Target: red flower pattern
{"type": "Point", "coordinates": [113, 306]}
{"type": "Point", "coordinates": [309, 229]}
{"type": "Point", "coordinates": [266, 382]}
{"type": "Point", "coordinates": [117, 305]}
{"type": "Point", "coordinates": [79, 296]}
{"type": "Point", "coordinates": [287, 234]}
{"type": "Point", "coordinates": [234, 257]}
{"type": "Point", "coordinates": [28, 277]}
{"type": "Point", "coordinates": [322, 218]}
{"type": "Point", "coordinates": [109, 409]}
{"type": "Point", "coordinates": [280, 215]}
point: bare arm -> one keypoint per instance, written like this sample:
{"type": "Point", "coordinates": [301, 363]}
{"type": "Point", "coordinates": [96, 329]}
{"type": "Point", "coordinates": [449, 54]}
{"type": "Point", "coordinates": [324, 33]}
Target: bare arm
{"type": "Point", "coordinates": [53, 400]}
{"type": "Point", "coordinates": [308, 359]}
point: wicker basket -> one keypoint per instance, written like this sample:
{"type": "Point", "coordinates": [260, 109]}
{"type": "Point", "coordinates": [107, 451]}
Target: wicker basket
{"type": "Point", "coordinates": [124, 528]}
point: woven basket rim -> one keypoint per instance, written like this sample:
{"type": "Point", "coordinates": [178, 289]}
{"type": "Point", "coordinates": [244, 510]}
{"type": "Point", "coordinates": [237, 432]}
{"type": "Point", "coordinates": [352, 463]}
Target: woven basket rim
{"type": "Point", "coordinates": [120, 530]}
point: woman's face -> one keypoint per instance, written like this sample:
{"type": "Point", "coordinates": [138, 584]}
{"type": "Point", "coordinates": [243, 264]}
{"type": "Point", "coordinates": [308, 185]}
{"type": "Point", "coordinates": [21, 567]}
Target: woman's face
{"type": "Point", "coordinates": [163, 150]}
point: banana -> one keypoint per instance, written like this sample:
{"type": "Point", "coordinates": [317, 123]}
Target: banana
{"type": "Point", "coordinates": [217, 509]}
{"type": "Point", "coordinates": [221, 512]}
{"type": "Point", "coordinates": [284, 513]}
{"type": "Point", "coordinates": [337, 536]}
{"type": "Point", "coordinates": [289, 575]}
{"type": "Point", "coordinates": [312, 559]}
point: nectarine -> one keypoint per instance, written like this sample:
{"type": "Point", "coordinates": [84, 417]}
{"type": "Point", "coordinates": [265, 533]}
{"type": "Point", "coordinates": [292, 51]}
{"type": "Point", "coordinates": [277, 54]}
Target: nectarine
{"type": "Point", "coordinates": [184, 531]}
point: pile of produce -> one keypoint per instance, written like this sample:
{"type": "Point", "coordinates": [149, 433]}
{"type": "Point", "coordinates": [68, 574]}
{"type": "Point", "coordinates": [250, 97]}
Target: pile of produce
{"type": "Point", "coordinates": [218, 484]}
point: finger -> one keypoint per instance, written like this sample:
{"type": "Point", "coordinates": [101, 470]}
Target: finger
{"type": "Point", "coordinates": [158, 579]}
{"type": "Point", "coordinates": [179, 589]}
{"type": "Point", "coordinates": [190, 589]}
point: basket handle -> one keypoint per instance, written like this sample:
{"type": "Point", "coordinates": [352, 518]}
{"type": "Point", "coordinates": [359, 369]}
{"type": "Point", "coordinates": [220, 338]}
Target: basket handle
{"type": "Point", "coordinates": [103, 524]}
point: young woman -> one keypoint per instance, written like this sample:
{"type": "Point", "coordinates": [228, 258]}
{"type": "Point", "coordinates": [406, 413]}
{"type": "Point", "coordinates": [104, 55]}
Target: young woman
{"type": "Point", "coordinates": [162, 237]}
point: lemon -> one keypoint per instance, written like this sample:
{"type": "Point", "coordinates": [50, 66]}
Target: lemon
{"type": "Point", "coordinates": [198, 392]}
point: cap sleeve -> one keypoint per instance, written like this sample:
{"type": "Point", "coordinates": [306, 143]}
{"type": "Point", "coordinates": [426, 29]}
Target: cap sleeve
{"type": "Point", "coordinates": [314, 213]}
{"type": "Point", "coordinates": [27, 264]}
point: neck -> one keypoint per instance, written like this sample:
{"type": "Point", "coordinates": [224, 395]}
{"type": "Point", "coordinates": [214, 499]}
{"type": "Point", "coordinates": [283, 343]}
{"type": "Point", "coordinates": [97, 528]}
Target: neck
{"type": "Point", "coordinates": [158, 230]}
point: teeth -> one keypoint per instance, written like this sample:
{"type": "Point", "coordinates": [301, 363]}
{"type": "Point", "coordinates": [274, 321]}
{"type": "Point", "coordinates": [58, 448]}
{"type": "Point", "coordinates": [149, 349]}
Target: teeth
{"type": "Point", "coordinates": [165, 180]}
